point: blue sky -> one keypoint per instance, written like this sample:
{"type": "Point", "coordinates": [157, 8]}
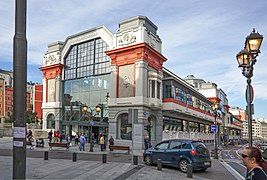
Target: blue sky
{"type": "Point", "coordinates": [200, 37]}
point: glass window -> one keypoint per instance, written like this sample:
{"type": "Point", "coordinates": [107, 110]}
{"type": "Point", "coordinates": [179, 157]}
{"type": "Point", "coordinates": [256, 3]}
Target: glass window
{"type": "Point", "coordinates": [87, 59]}
{"type": "Point", "coordinates": [167, 91]}
{"type": "Point", "coordinates": [175, 145]}
{"type": "Point", "coordinates": [158, 90]}
{"type": "Point", "coordinates": [186, 145]}
{"type": "Point", "coordinates": [125, 127]}
{"type": "Point", "coordinates": [51, 121]}
{"type": "Point", "coordinates": [163, 145]}
{"type": "Point", "coordinates": [153, 89]}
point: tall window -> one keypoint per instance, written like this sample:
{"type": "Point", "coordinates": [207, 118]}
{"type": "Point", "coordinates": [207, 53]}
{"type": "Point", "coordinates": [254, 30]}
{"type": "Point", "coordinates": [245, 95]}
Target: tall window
{"type": "Point", "coordinates": [51, 121]}
{"type": "Point", "coordinates": [87, 59]}
{"type": "Point", "coordinates": [124, 127]}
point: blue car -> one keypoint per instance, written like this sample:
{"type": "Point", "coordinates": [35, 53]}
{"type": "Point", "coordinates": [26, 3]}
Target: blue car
{"type": "Point", "coordinates": [179, 153]}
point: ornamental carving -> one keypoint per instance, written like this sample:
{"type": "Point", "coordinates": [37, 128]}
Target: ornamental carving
{"type": "Point", "coordinates": [52, 58]}
{"type": "Point", "coordinates": [141, 64]}
{"type": "Point", "coordinates": [126, 39]}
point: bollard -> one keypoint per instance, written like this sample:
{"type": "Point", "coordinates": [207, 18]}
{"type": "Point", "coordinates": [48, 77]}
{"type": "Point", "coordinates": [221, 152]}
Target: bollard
{"type": "Point", "coordinates": [135, 160]}
{"type": "Point", "coordinates": [159, 165]}
{"type": "Point", "coordinates": [104, 158]}
{"type": "Point", "coordinates": [189, 171]}
{"type": "Point", "coordinates": [46, 155]}
{"type": "Point", "coordinates": [74, 157]}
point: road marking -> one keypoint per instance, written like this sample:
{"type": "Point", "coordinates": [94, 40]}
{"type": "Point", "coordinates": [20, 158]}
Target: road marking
{"type": "Point", "coordinates": [232, 170]}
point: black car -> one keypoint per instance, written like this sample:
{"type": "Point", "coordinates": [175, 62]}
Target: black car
{"type": "Point", "coordinates": [179, 153]}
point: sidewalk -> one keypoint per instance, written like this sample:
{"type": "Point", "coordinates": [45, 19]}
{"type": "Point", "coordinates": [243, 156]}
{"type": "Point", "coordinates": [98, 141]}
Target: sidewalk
{"type": "Point", "coordinates": [38, 168]}
{"type": "Point", "coordinates": [89, 165]}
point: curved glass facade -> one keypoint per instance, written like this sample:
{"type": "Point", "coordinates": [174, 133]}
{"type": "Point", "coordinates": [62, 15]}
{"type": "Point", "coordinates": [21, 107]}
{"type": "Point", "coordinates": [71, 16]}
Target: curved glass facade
{"type": "Point", "coordinates": [87, 59]}
{"type": "Point", "coordinates": [86, 80]}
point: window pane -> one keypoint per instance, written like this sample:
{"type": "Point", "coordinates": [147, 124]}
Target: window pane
{"type": "Point", "coordinates": [175, 145]}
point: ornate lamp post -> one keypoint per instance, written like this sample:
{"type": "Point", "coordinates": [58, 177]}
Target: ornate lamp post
{"type": "Point", "coordinates": [85, 110]}
{"type": "Point", "coordinates": [246, 59]}
{"type": "Point", "coordinates": [215, 109]}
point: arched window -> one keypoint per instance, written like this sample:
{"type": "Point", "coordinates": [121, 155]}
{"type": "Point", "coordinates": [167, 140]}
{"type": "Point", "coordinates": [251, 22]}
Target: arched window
{"type": "Point", "coordinates": [124, 127]}
{"type": "Point", "coordinates": [50, 121]}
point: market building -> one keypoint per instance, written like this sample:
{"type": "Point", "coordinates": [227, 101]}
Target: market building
{"type": "Point", "coordinates": [99, 82]}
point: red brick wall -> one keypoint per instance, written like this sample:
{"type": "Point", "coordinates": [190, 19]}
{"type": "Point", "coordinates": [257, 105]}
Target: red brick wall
{"type": "Point", "coordinates": [38, 99]}
{"type": "Point", "coordinates": [2, 97]}
{"type": "Point", "coordinates": [9, 101]}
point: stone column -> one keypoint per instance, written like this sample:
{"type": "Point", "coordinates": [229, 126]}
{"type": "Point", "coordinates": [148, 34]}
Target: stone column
{"type": "Point", "coordinates": [141, 79]}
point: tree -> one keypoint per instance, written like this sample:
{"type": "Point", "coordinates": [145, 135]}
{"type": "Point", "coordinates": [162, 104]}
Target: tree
{"type": "Point", "coordinates": [30, 117]}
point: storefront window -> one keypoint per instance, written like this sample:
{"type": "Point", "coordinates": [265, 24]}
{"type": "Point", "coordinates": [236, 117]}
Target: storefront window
{"type": "Point", "coordinates": [125, 127]}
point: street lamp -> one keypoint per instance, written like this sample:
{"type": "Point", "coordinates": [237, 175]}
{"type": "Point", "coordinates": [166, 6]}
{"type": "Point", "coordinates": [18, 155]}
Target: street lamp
{"type": "Point", "coordinates": [85, 110]}
{"type": "Point", "coordinates": [215, 109]}
{"type": "Point", "coordinates": [246, 59]}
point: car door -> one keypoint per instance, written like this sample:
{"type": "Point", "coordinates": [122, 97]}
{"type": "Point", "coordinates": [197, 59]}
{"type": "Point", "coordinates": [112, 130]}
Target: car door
{"type": "Point", "coordinates": [159, 152]}
{"type": "Point", "coordinates": [173, 152]}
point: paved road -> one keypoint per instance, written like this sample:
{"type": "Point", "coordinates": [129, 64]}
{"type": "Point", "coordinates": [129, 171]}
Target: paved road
{"type": "Point", "coordinates": [233, 158]}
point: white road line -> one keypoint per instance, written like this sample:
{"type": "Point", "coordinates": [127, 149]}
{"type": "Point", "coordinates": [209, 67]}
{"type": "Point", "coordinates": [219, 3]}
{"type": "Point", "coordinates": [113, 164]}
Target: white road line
{"type": "Point", "coordinates": [232, 170]}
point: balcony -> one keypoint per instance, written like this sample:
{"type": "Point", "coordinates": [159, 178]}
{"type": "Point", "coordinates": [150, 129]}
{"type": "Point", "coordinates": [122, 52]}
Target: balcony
{"type": "Point", "coordinates": [172, 104]}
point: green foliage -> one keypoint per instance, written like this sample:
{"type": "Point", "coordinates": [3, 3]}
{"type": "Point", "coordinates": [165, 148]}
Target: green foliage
{"type": "Point", "coordinates": [9, 119]}
{"type": "Point", "coordinates": [30, 117]}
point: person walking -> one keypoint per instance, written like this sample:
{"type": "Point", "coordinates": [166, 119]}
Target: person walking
{"type": "Point", "coordinates": [102, 142]}
{"type": "Point", "coordinates": [50, 135]}
{"type": "Point", "coordinates": [111, 142]}
{"type": "Point", "coordinates": [76, 139]}
{"type": "Point", "coordinates": [68, 139]}
{"type": "Point", "coordinates": [256, 165]}
{"type": "Point", "coordinates": [82, 142]}
{"type": "Point", "coordinates": [56, 135]}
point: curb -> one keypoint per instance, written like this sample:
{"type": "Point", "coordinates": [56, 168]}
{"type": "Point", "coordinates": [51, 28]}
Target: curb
{"type": "Point", "coordinates": [231, 170]}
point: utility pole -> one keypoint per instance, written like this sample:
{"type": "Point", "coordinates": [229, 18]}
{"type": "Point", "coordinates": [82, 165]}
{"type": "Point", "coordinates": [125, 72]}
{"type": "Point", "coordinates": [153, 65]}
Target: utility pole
{"type": "Point", "coordinates": [19, 95]}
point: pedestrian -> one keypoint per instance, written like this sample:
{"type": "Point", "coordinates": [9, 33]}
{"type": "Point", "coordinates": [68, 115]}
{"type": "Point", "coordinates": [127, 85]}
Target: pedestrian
{"type": "Point", "coordinates": [102, 142]}
{"type": "Point", "coordinates": [256, 165]}
{"type": "Point", "coordinates": [68, 139]}
{"type": "Point", "coordinates": [111, 142]}
{"type": "Point", "coordinates": [60, 137]}
{"type": "Point", "coordinates": [50, 135]}
{"type": "Point", "coordinates": [56, 135]}
{"type": "Point", "coordinates": [29, 136]}
{"type": "Point", "coordinates": [76, 139]}
{"type": "Point", "coordinates": [82, 142]}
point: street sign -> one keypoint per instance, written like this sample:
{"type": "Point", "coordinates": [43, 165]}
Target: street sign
{"type": "Point", "coordinates": [213, 128]}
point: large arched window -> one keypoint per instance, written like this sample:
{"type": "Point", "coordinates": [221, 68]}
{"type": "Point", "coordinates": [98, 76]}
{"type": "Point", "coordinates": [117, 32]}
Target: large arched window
{"type": "Point", "coordinates": [87, 59]}
{"type": "Point", "coordinates": [50, 121]}
{"type": "Point", "coordinates": [124, 127]}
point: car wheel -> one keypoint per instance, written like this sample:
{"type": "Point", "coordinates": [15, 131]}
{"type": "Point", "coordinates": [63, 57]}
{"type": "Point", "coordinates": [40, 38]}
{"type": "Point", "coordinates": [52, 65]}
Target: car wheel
{"type": "Point", "coordinates": [148, 160]}
{"type": "Point", "coordinates": [183, 165]}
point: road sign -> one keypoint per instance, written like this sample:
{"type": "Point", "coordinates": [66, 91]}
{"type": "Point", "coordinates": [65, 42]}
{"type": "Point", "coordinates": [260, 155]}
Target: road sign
{"type": "Point", "coordinates": [213, 128]}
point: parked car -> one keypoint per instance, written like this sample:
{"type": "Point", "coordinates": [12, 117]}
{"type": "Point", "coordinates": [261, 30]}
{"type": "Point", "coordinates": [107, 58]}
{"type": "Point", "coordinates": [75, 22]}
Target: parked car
{"type": "Point", "coordinates": [262, 146]}
{"type": "Point", "coordinates": [179, 153]}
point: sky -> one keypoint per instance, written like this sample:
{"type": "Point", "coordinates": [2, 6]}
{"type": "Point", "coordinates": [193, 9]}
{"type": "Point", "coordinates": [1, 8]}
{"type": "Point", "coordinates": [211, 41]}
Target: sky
{"type": "Point", "coordinates": [199, 37]}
